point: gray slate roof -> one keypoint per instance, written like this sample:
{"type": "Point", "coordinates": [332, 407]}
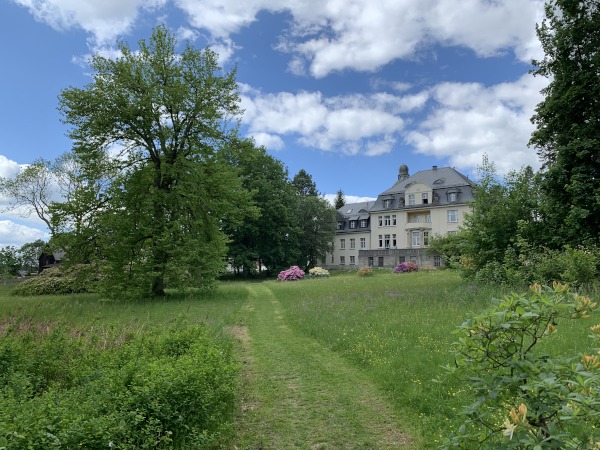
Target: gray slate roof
{"type": "Point", "coordinates": [442, 177]}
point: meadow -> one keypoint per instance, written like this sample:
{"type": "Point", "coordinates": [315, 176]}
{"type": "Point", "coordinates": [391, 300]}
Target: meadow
{"type": "Point", "coordinates": [393, 329]}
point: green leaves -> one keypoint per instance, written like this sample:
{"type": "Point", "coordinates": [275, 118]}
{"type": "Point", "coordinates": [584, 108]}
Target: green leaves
{"type": "Point", "coordinates": [496, 354]}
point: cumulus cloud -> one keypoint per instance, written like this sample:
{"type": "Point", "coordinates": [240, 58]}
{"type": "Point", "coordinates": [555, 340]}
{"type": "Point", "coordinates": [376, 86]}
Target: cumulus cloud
{"type": "Point", "coordinates": [334, 35]}
{"type": "Point", "coordinates": [105, 20]}
{"type": "Point", "coordinates": [469, 120]}
{"type": "Point", "coordinates": [8, 167]}
{"type": "Point", "coordinates": [349, 124]}
{"type": "Point", "coordinates": [12, 233]}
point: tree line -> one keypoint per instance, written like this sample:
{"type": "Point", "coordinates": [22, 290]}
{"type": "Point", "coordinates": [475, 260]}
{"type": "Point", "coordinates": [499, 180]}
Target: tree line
{"type": "Point", "coordinates": [543, 226]}
{"type": "Point", "coordinates": [159, 189]}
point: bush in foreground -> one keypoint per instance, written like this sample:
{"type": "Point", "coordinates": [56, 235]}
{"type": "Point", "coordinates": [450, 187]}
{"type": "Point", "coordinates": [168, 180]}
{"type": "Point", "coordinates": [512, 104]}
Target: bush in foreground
{"type": "Point", "coordinates": [173, 387]}
{"type": "Point", "coordinates": [365, 271]}
{"type": "Point", "coordinates": [404, 267]}
{"type": "Point", "coordinates": [525, 399]}
{"type": "Point", "coordinates": [294, 273]}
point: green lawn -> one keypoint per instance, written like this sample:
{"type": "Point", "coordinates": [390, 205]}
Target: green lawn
{"type": "Point", "coordinates": [339, 347]}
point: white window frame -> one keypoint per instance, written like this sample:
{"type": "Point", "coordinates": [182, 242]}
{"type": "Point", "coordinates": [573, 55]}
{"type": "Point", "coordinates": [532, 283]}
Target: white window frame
{"type": "Point", "coordinates": [453, 216]}
{"type": "Point", "coordinates": [425, 198]}
{"type": "Point", "coordinates": [415, 238]}
{"type": "Point", "coordinates": [352, 243]}
{"type": "Point", "coordinates": [353, 224]}
{"type": "Point", "coordinates": [363, 243]}
{"type": "Point", "coordinates": [386, 241]}
{"type": "Point", "coordinates": [380, 220]}
{"type": "Point", "coordinates": [381, 241]}
{"type": "Point", "coordinates": [342, 260]}
{"type": "Point", "coordinates": [363, 223]}
{"type": "Point", "coordinates": [411, 199]}
{"type": "Point", "coordinates": [394, 220]}
{"type": "Point", "coordinates": [352, 260]}
{"type": "Point", "coordinates": [342, 244]}
{"type": "Point", "coordinates": [394, 241]}
{"type": "Point", "coordinates": [387, 221]}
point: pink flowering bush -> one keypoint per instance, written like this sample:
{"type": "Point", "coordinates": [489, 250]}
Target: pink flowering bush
{"type": "Point", "coordinates": [406, 267]}
{"type": "Point", "coordinates": [292, 274]}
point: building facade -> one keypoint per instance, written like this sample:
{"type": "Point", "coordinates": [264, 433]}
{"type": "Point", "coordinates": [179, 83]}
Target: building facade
{"type": "Point", "coordinates": [398, 225]}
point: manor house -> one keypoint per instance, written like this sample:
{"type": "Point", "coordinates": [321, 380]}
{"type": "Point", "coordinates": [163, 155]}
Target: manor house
{"type": "Point", "coordinates": [398, 225]}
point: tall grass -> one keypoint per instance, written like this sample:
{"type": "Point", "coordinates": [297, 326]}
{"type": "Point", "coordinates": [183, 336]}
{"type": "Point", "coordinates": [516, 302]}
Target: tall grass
{"type": "Point", "coordinates": [398, 328]}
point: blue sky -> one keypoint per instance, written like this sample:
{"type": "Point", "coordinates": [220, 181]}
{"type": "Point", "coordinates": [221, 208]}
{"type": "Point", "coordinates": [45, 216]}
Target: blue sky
{"type": "Point", "coordinates": [346, 89]}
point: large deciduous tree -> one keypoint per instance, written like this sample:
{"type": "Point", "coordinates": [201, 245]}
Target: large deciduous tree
{"type": "Point", "coordinates": [568, 120]}
{"type": "Point", "coordinates": [271, 237]}
{"type": "Point", "coordinates": [316, 219]}
{"type": "Point", "coordinates": [164, 116]}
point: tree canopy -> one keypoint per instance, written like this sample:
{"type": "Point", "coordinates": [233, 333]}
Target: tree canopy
{"type": "Point", "coordinates": [567, 136]}
{"type": "Point", "coordinates": [162, 116]}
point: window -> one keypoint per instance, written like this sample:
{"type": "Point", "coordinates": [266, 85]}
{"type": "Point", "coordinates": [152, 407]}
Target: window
{"type": "Point", "coordinates": [352, 243]}
{"type": "Point", "coordinates": [452, 233]}
{"type": "Point", "coordinates": [332, 259]}
{"type": "Point", "coordinates": [416, 238]}
{"type": "Point", "coordinates": [363, 223]}
{"type": "Point", "coordinates": [342, 260]}
{"type": "Point", "coordinates": [353, 224]}
{"type": "Point", "coordinates": [416, 219]}
{"type": "Point", "coordinates": [413, 259]}
{"type": "Point", "coordinates": [387, 221]}
{"type": "Point", "coordinates": [411, 199]}
{"type": "Point", "coordinates": [428, 218]}
{"type": "Point", "coordinates": [425, 238]}
{"type": "Point", "coordinates": [363, 243]}
{"type": "Point", "coordinates": [352, 260]}
{"type": "Point", "coordinates": [394, 220]}
{"type": "Point", "coordinates": [370, 261]}
{"type": "Point", "coordinates": [380, 220]}
{"type": "Point", "coordinates": [380, 261]}
{"type": "Point", "coordinates": [425, 197]}
{"type": "Point", "coordinates": [437, 261]}
{"type": "Point", "coordinates": [452, 196]}
{"type": "Point", "coordinates": [342, 244]}
{"type": "Point", "coordinates": [380, 241]}
{"type": "Point", "coordinates": [387, 241]}
{"type": "Point", "coordinates": [387, 203]}
{"type": "Point", "coordinates": [340, 225]}
{"type": "Point", "coordinates": [394, 240]}
{"type": "Point", "coordinates": [452, 215]}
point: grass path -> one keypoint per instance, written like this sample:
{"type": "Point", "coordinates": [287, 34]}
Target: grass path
{"type": "Point", "coordinates": [299, 395]}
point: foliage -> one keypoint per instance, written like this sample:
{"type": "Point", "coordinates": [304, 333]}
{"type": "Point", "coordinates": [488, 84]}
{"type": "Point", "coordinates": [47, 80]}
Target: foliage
{"type": "Point", "coordinates": [450, 248]}
{"type": "Point", "coordinates": [270, 236]}
{"type": "Point", "coordinates": [9, 262]}
{"type": "Point", "coordinates": [316, 220]}
{"type": "Point", "coordinates": [340, 200]}
{"type": "Point", "coordinates": [567, 135]}
{"type": "Point", "coordinates": [318, 272]}
{"type": "Point", "coordinates": [294, 273]}
{"type": "Point", "coordinates": [79, 278]}
{"type": "Point", "coordinates": [365, 271]}
{"type": "Point", "coordinates": [157, 221]}
{"type": "Point", "coordinates": [169, 387]}
{"type": "Point", "coordinates": [407, 266]}
{"type": "Point", "coordinates": [524, 398]}
{"type": "Point", "coordinates": [499, 208]}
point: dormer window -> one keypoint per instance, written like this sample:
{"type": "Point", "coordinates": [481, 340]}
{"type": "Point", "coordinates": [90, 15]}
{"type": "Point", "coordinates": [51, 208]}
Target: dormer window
{"type": "Point", "coordinates": [363, 223]}
{"type": "Point", "coordinates": [353, 224]}
{"type": "Point", "coordinates": [411, 199]}
{"type": "Point", "coordinates": [452, 196]}
{"type": "Point", "coordinates": [387, 203]}
{"type": "Point", "coordinates": [340, 225]}
{"type": "Point", "coordinates": [425, 198]}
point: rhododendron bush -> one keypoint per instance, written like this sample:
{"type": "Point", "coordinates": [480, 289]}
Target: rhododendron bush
{"type": "Point", "coordinates": [317, 272]}
{"type": "Point", "coordinates": [406, 267]}
{"type": "Point", "coordinates": [292, 274]}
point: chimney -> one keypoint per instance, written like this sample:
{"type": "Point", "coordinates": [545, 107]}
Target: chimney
{"type": "Point", "coordinates": [434, 167]}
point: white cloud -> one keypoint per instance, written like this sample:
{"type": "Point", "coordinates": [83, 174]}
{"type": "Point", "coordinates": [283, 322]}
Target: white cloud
{"type": "Point", "coordinates": [470, 120]}
{"type": "Point", "coordinates": [105, 19]}
{"type": "Point", "coordinates": [348, 124]}
{"type": "Point", "coordinates": [334, 35]}
{"type": "Point", "coordinates": [348, 198]}
{"type": "Point", "coordinates": [12, 233]}
{"type": "Point", "coordinates": [8, 167]}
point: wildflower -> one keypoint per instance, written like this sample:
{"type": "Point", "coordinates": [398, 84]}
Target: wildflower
{"type": "Point", "coordinates": [537, 288]}
{"type": "Point", "coordinates": [509, 428]}
{"type": "Point", "coordinates": [590, 361]}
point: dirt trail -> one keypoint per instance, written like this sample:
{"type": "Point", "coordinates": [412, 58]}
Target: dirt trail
{"type": "Point", "coordinates": [299, 395]}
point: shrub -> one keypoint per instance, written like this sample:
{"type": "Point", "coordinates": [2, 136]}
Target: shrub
{"type": "Point", "coordinates": [318, 272]}
{"type": "Point", "coordinates": [168, 388]}
{"type": "Point", "coordinates": [292, 274]}
{"type": "Point", "coordinates": [365, 271]}
{"type": "Point", "coordinates": [406, 267]}
{"type": "Point", "coordinates": [81, 278]}
{"type": "Point", "coordinates": [523, 398]}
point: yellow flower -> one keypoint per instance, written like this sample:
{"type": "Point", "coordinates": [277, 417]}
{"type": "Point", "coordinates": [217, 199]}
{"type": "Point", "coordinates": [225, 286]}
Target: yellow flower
{"type": "Point", "coordinates": [590, 361]}
{"type": "Point", "coordinates": [536, 287]}
{"type": "Point", "coordinates": [509, 428]}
